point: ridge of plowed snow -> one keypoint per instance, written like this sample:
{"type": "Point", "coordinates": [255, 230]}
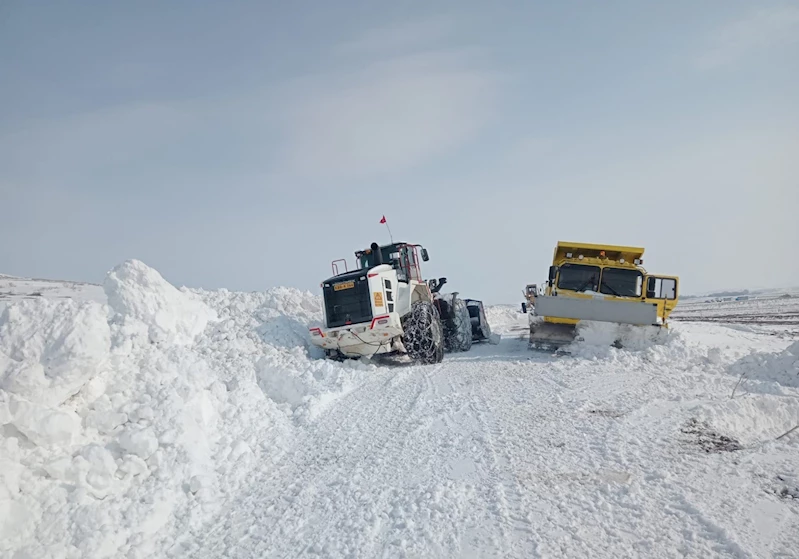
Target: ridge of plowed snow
{"type": "Point", "coordinates": [140, 416]}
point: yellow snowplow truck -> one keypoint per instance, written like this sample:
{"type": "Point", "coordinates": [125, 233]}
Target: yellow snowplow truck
{"type": "Point", "coordinates": [603, 283]}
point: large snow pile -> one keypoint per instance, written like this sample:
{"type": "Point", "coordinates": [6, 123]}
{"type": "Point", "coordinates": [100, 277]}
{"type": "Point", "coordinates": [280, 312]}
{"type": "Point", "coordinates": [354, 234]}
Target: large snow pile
{"type": "Point", "coordinates": [780, 368]}
{"type": "Point", "coordinates": [750, 418]}
{"type": "Point", "coordinates": [140, 297]}
{"type": "Point", "coordinates": [50, 349]}
{"type": "Point", "coordinates": [123, 426]}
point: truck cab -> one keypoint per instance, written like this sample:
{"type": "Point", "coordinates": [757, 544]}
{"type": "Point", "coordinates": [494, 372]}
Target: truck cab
{"type": "Point", "coordinates": [608, 273]}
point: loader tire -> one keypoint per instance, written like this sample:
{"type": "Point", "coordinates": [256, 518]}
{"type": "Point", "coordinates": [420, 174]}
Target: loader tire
{"type": "Point", "coordinates": [424, 336]}
{"type": "Point", "coordinates": [458, 332]}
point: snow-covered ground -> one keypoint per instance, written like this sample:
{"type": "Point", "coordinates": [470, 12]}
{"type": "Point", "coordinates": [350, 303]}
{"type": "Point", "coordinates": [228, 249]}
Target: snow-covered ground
{"type": "Point", "coordinates": [15, 289]}
{"type": "Point", "coordinates": [150, 421]}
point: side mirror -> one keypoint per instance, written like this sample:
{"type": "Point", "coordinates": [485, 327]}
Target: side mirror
{"type": "Point", "coordinates": [425, 256]}
{"type": "Point", "coordinates": [553, 272]}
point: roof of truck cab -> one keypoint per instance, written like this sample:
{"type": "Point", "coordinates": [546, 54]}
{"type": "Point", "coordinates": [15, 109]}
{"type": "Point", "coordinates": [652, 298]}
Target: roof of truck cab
{"type": "Point", "coordinates": [590, 246]}
{"type": "Point", "coordinates": [629, 252]}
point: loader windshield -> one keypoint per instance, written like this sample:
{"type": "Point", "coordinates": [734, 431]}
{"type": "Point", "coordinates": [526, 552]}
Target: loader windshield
{"type": "Point", "coordinates": [576, 277]}
{"type": "Point", "coordinates": [621, 282]}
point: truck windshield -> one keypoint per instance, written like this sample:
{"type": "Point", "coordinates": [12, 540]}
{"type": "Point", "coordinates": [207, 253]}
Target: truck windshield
{"type": "Point", "coordinates": [576, 277]}
{"type": "Point", "coordinates": [621, 282]}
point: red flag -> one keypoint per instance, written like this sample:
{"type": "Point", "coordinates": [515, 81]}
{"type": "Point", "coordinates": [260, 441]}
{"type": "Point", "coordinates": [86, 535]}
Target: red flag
{"type": "Point", "coordinates": [383, 220]}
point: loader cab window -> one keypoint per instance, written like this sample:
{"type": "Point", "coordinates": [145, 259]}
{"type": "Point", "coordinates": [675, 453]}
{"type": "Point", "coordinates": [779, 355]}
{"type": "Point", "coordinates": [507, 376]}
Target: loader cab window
{"type": "Point", "coordinates": [621, 282]}
{"type": "Point", "coordinates": [409, 264]}
{"type": "Point", "coordinates": [401, 257]}
{"type": "Point", "coordinates": [367, 259]}
{"type": "Point", "coordinates": [576, 277]}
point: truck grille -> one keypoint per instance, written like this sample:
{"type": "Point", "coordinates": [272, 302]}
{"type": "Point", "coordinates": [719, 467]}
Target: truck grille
{"type": "Point", "coordinates": [347, 306]}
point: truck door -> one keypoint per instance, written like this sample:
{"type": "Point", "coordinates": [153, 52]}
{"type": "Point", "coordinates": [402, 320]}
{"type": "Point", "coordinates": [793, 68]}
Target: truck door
{"type": "Point", "coordinates": [664, 290]}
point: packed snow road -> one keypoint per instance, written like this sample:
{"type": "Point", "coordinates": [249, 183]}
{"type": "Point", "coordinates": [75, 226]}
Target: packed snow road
{"type": "Point", "coordinates": [500, 452]}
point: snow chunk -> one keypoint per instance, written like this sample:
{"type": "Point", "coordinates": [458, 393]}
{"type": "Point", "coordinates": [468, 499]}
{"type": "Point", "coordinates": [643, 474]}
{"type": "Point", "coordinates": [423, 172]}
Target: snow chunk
{"type": "Point", "coordinates": [42, 425]}
{"type": "Point", "coordinates": [137, 292]}
{"type": "Point", "coordinates": [102, 467]}
{"type": "Point", "coordinates": [17, 522]}
{"type": "Point", "coordinates": [141, 442]}
{"type": "Point", "coordinates": [50, 349]}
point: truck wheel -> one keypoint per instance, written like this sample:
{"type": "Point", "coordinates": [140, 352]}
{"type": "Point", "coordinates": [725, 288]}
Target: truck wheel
{"type": "Point", "coordinates": [424, 337]}
{"type": "Point", "coordinates": [458, 332]}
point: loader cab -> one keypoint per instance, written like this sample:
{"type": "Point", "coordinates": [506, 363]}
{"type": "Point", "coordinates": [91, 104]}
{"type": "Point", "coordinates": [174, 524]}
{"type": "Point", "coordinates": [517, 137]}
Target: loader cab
{"type": "Point", "coordinates": [403, 257]}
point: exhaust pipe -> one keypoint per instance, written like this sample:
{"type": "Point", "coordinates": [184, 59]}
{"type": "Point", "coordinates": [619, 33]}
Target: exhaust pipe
{"type": "Point", "coordinates": [378, 254]}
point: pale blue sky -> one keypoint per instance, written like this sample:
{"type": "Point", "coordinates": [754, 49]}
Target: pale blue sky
{"type": "Point", "coordinates": [246, 144]}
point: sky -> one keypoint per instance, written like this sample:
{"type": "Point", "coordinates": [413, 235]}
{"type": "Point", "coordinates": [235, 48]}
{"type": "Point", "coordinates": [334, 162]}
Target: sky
{"type": "Point", "coordinates": [247, 144]}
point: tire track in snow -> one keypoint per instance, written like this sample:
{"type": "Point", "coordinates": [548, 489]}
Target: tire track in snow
{"type": "Point", "coordinates": [364, 429]}
{"type": "Point", "coordinates": [272, 485]}
{"type": "Point", "coordinates": [495, 405]}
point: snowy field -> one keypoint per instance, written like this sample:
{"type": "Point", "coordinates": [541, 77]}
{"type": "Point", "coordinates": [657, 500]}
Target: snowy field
{"type": "Point", "coordinates": [16, 289]}
{"type": "Point", "coordinates": [775, 314]}
{"type": "Point", "coordinates": [140, 420]}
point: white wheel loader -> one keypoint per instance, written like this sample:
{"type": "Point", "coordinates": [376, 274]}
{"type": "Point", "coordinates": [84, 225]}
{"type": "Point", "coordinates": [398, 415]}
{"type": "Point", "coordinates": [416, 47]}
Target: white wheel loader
{"type": "Point", "coordinates": [382, 307]}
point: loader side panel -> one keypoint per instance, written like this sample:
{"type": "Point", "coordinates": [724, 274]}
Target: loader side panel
{"type": "Point", "coordinates": [624, 312]}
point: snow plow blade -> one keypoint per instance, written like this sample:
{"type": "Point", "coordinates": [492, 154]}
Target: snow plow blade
{"type": "Point", "coordinates": [552, 335]}
{"type": "Point", "coordinates": [599, 310]}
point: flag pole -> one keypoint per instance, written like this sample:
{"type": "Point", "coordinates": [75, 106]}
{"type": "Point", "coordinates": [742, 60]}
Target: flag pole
{"type": "Point", "coordinates": [384, 221]}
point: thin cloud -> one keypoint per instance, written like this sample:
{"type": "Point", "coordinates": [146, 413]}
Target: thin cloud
{"type": "Point", "coordinates": [399, 37]}
{"type": "Point", "coordinates": [761, 30]}
{"type": "Point", "coordinates": [390, 117]}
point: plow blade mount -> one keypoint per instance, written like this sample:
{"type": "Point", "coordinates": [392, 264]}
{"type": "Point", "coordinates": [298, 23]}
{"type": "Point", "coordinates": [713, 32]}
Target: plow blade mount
{"type": "Point", "coordinates": [549, 336]}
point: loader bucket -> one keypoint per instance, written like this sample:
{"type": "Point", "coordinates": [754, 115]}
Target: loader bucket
{"type": "Point", "coordinates": [481, 331]}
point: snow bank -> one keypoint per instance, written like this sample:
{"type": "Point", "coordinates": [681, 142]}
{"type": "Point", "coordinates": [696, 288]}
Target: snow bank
{"type": "Point", "coordinates": [279, 316]}
{"type": "Point", "coordinates": [781, 368]}
{"type": "Point", "coordinates": [50, 349]}
{"type": "Point", "coordinates": [124, 426]}
{"type": "Point", "coordinates": [766, 400]}
{"type": "Point", "coordinates": [138, 293]}
{"type": "Point", "coordinates": [751, 419]}
{"type": "Point", "coordinates": [305, 390]}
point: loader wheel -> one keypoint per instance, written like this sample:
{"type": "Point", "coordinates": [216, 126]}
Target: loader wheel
{"type": "Point", "coordinates": [424, 337]}
{"type": "Point", "coordinates": [458, 331]}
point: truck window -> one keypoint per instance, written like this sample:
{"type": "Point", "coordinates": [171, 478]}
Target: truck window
{"type": "Point", "coordinates": [662, 288]}
{"type": "Point", "coordinates": [621, 282]}
{"type": "Point", "coordinates": [577, 277]}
